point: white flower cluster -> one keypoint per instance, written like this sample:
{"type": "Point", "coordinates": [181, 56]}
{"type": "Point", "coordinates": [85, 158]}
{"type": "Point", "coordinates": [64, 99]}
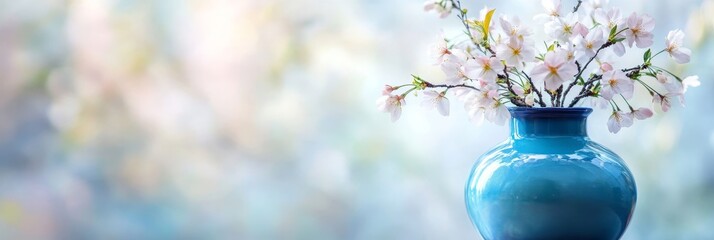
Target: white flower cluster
{"type": "Point", "coordinates": [500, 63]}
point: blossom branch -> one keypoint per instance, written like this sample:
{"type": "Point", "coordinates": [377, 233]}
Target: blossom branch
{"type": "Point", "coordinates": [515, 99]}
{"type": "Point", "coordinates": [430, 85]}
{"type": "Point", "coordinates": [587, 87]}
{"type": "Point", "coordinates": [463, 17]}
{"type": "Point", "coordinates": [582, 70]}
{"type": "Point", "coordinates": [533, 87]}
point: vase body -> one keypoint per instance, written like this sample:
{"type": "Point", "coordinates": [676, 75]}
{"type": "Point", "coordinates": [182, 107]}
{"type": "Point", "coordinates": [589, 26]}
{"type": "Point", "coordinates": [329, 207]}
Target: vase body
{"type": "Point", "coordinates": [549, 181]}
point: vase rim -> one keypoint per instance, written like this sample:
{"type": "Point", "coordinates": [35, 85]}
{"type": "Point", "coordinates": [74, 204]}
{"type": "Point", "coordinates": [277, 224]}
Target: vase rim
{"type": "Point", "coordinates": [545, 112]}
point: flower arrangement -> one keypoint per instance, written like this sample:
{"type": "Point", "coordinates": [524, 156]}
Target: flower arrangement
{"type": "Point", "coordinates": [499, 64]}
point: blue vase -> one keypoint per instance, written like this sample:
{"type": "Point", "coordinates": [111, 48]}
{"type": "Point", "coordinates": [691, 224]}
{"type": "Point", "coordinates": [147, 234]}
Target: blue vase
{"type": "Point", "coordinates": [550, 181]}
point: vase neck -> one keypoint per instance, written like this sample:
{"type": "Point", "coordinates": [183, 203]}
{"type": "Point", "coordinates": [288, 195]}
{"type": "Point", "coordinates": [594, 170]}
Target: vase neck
{"type": "Point", "coordinates": [549, 122]}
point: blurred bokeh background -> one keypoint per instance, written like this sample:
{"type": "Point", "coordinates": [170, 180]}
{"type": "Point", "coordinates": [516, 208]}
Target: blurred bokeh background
{"type": "Point", "coordinates": [219, 119]}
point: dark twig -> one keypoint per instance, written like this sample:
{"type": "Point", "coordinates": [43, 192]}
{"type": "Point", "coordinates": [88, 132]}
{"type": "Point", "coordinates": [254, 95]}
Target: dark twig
{"type": "Point", "coordinates": [575, 9]}
{"type": "Point", "coordinates": [515, 99]}
{"type": "Point", "coordinates": [582, 70]}
{"type": "Point", "coordinates": [587, 91]}
{"type": "Point", "coordinates": [534, 89]}
{"type": "Point", "coordinates": [430, 85]}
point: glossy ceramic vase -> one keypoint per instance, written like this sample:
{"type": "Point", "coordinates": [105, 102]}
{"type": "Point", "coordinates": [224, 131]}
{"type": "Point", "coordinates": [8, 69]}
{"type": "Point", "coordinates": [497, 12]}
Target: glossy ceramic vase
{"type": "Point", "coordinates": [549, 181]}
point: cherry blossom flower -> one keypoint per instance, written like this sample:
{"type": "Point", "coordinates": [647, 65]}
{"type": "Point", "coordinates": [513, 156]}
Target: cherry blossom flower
{"type": "Point", "coordinates": [552, 10]}
{"type": "Point", "coordinates": [388, 90]}
{"type": "Point", "coordinates": [599, 102]}
{"type": "Point", "coordinates": [641, 113]}
{"type": "Point", "coordinates": [610, 18]}
{"type": "Point", "coordinates": [674, 43]}
{"type": "Point", "coordinates": [442, 7]}
{"type": "Point", "coordinates": [515, 51]}
{"type": "Point", "coordinates": [640, 30]}
{"type": "Point", "coordinates": [616, 82]}
{"type": "Point", "coordinates": [484, 68]}
{"type": "Point", "coordinates": [605, 66]}
{"type": "Point", "coordinates": [497, 113]}
{"type": "Point", "coordinates": [454, 67]}
{"type": "Point", "coordinates": [563, 29]}
{"type": "Point", "coordinates": [594, 5]}
{"type": "Point", "coordinates": [691, 81]}
{"type": "Point", "coordinates": [568, 51]}
{"type": "Point", "coordinates": [662, 101]}
{"type": "Point", "coordinates": [554, 70]}
{"type": "Point", "coordinates": [513, 29]}
{"type": "Point", "coordinates": [483, 98]}
{"type": "Point", "coordinates": [463, 94]}
{"type": "Point", "coordinates": [676, 88]}
{"type": "Point", "coordinates": [587, 46]}
{"type": "Point", "coordinates": [618, 120]}
{"type": "Point", "coordinates": [391, 104]}
{"type": "Point", "coordinates": [440, 51]}
{"type": "Point", "coordinates": [436, 100]}
{"type": "Point", "coordinates": [477, 114]}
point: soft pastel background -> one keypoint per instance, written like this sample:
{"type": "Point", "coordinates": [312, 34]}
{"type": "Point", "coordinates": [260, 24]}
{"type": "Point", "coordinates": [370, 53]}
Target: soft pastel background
{"type": "Point", "coordinates": [218, 119]}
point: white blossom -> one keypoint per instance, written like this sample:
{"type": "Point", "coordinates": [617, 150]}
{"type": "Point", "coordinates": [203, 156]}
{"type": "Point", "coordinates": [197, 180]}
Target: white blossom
{"type": "Point", "coordinates": [691, 81]}
{"type": "Point", "coordinates": [454, 67]}
{"type": "Point", "coordinates": [477, 114]}
{"type": "Point", "coordinates": [599, 102]}
{"type": "Point", "coordinates": [440, 51]}
{"type": "Point", "coordinates": [436, 100]}
{"type": "Point", "coordinates": [513, 28]}
{"type": "Point", "coordinates": [616, 82]}
{"type": "Point", "coordinates": [552, 10]}
{"type": "Point", "coordinates": [674, 42]}
{"type": "Point", "coordinates": [588, 46]}
{"type": "Point", "coordinates": [497, 113]}
{"type": "Point", "coordinates": [618, 120]}
{"type": "Point", "coordinates": [391, 104]}
{"type": "Point", "coordinates": [484, 68]}
{"type": "Point", "coordinates": [605, 66]}
{"type": "Point", "coordinates": [442, 7]}
{"type": "Point", "coordinates": [641, 113]}
{"type": "Point", "coordinates": [554, 70]}
{"type": "Point", "coordinates": [610, 18]}
{"type": "Point", "coordinates": [563, 28]}
{"type": "Point", "coordinates": [640, 30]}
{"type": "Point", "coordinates": [663, 102]}
{"type": "Point", "coordinates": [388, 90]}
{"type": "Point", "coordinates": [594, 5]}
{"type": "Point", "coordinates": [515, 51]}
{"type": "Point", "coordinates": [568, 51]}
{"type": "Point", "coordinates": [676, 88]}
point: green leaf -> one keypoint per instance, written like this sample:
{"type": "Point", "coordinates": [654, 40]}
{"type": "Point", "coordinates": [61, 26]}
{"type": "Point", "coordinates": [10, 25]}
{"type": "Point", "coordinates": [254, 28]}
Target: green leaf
{"type": "Point", "coordinates": [647, 56]}
{"type": "Point", "coordinates": [613, 31]}
{"type": "Point", "coordinates": [619, 40]}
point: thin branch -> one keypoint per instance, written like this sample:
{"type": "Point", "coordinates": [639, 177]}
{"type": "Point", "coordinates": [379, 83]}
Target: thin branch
{"type": "Point", "coordinates": [587, 91]}
{"type": "Point", "coordinates": [575, 9]}
{"type": "Point", "coordinates": [462, 16]}
{"type": "Point", "coordinates": [582, 70]}
{"type": "Point", "coordinates": [430, 85]}
{"type": "Point", "coordinates": [515, 99]}
{"type": "Point", "coordinates": [534, 89]}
